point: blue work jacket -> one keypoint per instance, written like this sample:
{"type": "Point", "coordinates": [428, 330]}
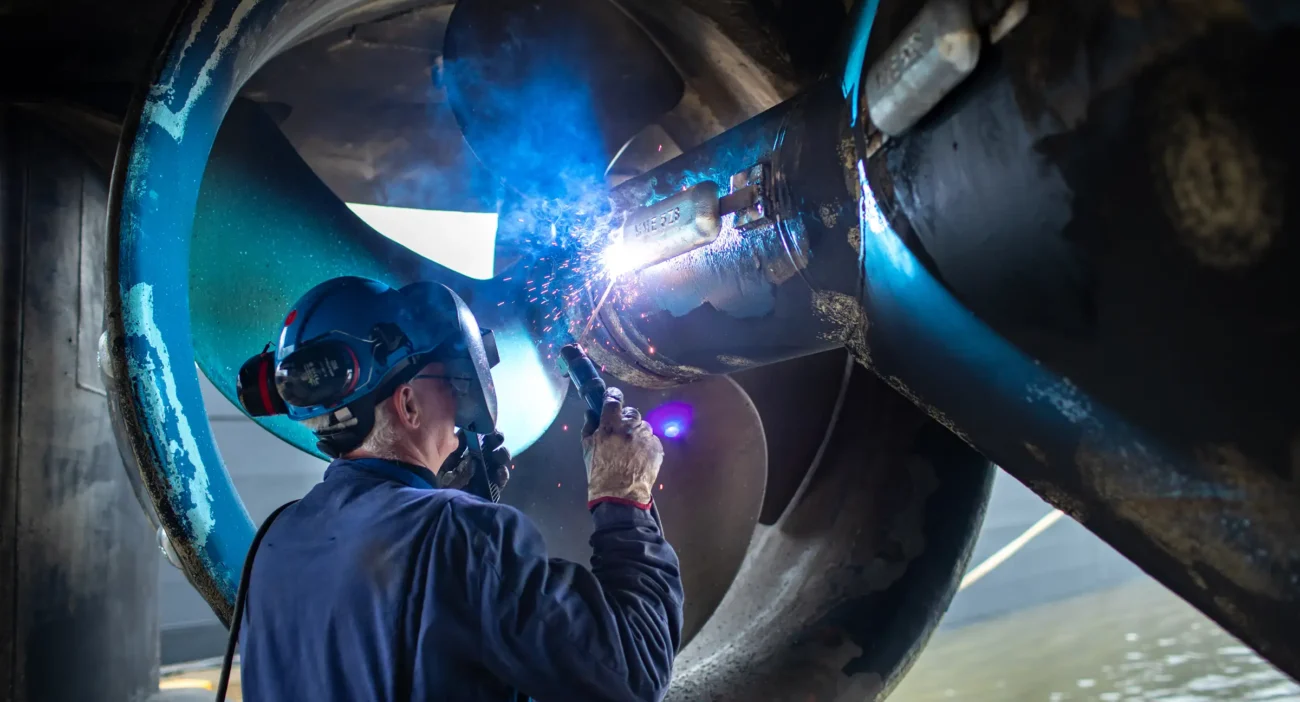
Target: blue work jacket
{"type": "Point", "coordinates": [377, 586]}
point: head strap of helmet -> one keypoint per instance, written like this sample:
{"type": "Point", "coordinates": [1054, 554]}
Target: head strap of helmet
{"type": "Point", "coordinates": [350, 425]}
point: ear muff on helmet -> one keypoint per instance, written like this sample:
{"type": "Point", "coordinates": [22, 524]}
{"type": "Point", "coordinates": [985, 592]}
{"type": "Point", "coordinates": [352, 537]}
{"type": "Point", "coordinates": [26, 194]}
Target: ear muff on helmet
{"type": "Point", "coordinates": [320, 373]}
{"type": "Point", "coordinates": [255, 386]}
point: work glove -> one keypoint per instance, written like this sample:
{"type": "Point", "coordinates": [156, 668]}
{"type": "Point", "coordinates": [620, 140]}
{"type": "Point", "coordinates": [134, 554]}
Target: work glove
{"type": "Point", "coordinates": [498, 459]}
{"type": "Point", "coordinates": [621, 452]}
{"type": "Point", "coordinates": [460, 465]}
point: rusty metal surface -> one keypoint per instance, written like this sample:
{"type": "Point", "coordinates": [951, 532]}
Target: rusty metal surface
{"type": "Point", "coordinates": [1135, 248]}
{"type": "Point", "coordinates": [837, 598]}
{"type": "Point", "coordinates": [1174, 436]}
{"type": "Point", "coordinates": [1085, 274]}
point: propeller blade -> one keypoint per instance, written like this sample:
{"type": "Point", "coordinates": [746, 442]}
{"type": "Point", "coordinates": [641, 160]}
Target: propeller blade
{"type": "Point", "coordinates": [267, 229]}
{"type": "Point", "coordinates": [709, 492]}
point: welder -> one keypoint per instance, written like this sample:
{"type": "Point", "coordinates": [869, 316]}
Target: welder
{"type": "Point", "coordinates": [382, 584]}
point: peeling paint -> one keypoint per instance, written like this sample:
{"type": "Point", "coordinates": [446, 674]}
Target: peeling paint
{"type": "Point", "coordinates": [165, 89]}
{"type": "Point", "coordinates": [1066, 397]}
{"type": "Point", "coordinates": [173, 121]}
{"type": "Point", "coordinates": [139, 322]}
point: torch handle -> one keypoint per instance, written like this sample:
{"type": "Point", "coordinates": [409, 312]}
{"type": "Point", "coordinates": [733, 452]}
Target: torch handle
{"type": "Point", "coordinates": [585, 377]}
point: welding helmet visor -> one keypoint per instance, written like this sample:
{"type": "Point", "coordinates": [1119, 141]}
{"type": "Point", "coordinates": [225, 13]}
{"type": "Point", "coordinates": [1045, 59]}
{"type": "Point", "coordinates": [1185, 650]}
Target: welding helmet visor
{"type": "Point", "coordinates": [467, 352]}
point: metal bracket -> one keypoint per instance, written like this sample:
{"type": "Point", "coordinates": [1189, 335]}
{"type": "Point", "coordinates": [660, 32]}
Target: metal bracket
{"type": "Point", "coordinates": [750, 198]}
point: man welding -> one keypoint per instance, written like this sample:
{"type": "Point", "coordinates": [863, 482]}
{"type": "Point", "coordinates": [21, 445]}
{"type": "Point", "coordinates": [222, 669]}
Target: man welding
{"type": "Point", "coordinates": [381, 585]}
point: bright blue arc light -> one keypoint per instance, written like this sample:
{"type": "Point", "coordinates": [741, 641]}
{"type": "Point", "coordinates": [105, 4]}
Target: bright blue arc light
{"type": "Point", "coordinates": [462, 241]}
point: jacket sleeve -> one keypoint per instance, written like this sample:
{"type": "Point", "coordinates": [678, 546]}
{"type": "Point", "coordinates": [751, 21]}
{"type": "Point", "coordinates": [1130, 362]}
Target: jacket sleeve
{"type": "Point", "coordinates": [558, 631]}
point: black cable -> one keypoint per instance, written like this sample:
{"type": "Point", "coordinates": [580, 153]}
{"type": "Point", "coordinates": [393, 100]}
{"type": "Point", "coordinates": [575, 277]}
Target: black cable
{"type": "Point", "coordinates": [479, 482]}
{"type": "Point", "coordinates": [241, 596]}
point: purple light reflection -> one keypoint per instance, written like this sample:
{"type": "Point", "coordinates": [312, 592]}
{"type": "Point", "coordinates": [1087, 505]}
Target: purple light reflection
{"type": "Point", "coordinates": [671, 420]}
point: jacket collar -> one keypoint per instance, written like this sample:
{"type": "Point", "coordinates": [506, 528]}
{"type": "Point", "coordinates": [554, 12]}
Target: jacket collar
{"type": "Point", "coordinates": [407, 474]}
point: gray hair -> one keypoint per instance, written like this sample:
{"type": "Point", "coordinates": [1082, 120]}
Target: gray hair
{"type": "Point", "coordinates": [383, 436]}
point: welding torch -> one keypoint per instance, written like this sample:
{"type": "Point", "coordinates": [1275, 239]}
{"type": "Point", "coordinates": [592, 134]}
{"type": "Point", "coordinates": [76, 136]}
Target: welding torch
{"type": "Point", "coordinates": [574, 363]}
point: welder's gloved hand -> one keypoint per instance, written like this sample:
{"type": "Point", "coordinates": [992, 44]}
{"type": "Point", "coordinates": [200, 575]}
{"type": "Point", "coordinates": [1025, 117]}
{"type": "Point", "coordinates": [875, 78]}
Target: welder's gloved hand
{"type": "Point", "coordinates": [621, 452]}
{"type": "Point", "coordinates": [498, 459]}
{"type": "Point", "coordinates": [459, 466]}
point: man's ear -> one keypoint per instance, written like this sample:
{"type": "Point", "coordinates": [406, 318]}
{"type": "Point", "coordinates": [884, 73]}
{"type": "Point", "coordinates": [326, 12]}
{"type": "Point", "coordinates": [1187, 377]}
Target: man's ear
{"type": "Point", "coordinates": [408, 410]}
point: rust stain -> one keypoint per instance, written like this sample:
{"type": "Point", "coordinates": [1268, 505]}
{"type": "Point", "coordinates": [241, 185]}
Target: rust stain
{"type": "Point", "coordinates": [1036, 453]}
{"type": "Point", "coordinates": [1060, 499]}
{"type": "Point", "coordinates": [1272, 499]}
{"type": "Point", "coordinates": [1230, 518]}
{"type": "Point", "coordinates": [936, 414]}
{"type": "Point", "coordinates": [1121, 39]}
{"type": "Point", "coordinates": [830, 216]}
{"type": "Point", "coordinates": [849, 319]}
{"type": "Point", "coordinates": [1214, 182]}
{"type": "Point", "coordinates": [736, 361]}
{"type": "Point", "coordinates": [848, 153]}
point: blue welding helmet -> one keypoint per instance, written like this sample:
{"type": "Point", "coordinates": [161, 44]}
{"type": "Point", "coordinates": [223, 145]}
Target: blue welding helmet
{"type": "Point", "coordinates": [349, 342]}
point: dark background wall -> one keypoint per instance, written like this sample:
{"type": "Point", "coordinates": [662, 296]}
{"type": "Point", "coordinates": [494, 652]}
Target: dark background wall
{"type": "Point", "coordinates": [77, 558]}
